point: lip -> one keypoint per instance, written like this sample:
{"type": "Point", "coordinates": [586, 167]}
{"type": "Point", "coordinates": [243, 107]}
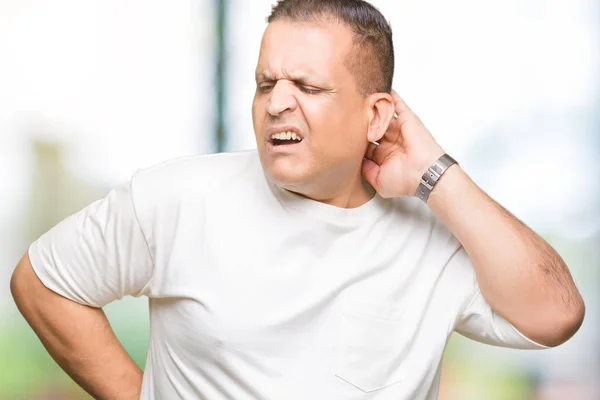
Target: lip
{"type": "Point", "coordinates": [283, 128]}
{"type": "Point", "coordinates": [285, 148]}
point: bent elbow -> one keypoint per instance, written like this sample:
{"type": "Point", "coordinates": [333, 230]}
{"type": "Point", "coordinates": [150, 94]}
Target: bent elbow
{"type": "Point", "coordinates": [573, 320]}
{"type": "Point", "coordinates": [565, 325]}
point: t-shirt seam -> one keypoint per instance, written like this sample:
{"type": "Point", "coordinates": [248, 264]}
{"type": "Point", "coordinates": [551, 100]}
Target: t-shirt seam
{"type": "Point", "coordinates": [137, 219]}
{"type": "Point", "coordinates": [188, 158]}
{"type": "Point", "coordinates": [326, 218]}
{"type": "Point", "coordinates": [465, 311]}
{"type": "Point", "coordinates": [135, 211]}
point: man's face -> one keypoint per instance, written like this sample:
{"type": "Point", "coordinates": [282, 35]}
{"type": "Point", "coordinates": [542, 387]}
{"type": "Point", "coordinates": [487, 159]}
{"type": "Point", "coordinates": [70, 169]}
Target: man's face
{"type": "Point", "coordinates": [303, 87]}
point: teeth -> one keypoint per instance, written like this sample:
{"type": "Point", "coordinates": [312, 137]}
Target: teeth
{"type": "Point", "coordinates": [286, 136]}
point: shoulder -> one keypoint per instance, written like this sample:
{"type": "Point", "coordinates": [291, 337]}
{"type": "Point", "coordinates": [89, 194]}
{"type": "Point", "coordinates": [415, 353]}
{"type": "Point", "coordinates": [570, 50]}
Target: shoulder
{"type": "Point", "coordinates": [441, 253]}
{"type": "Point", "coordinates": [194, 174]}
{"type": "Point", "coordinates": [168, 187]}
{"type": "Point", "coordinates": [415, 213]}
{"type": "Point", "coordinates": [421, 232]}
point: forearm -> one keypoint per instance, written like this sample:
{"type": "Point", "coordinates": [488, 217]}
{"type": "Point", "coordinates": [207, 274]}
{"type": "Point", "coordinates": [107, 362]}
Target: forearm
{"type": "Point", "coordinates": [520, 275]}
{"type": "Point", "coordinates": [79, 338]}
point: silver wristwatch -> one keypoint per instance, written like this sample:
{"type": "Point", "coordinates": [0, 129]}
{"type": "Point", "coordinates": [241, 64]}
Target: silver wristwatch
{"type": "Point", "coordinates": [432, 176]}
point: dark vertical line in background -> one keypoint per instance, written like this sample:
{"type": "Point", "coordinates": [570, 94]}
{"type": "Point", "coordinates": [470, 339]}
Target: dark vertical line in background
{"type": "Point", "coordinates": [220, 83]}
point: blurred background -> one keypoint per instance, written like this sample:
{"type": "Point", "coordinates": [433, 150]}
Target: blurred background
{"type": "Point", "coordinates": [92, 91]}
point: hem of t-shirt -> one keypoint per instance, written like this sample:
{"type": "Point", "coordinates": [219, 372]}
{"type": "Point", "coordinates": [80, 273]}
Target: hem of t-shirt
{"type": "Point", "coordinates": [533, 342]}
{"type": "Point", "coordinates": [40, 271]}
{"type": "Point", "coordinates": [537, 346]}
{"type": "Point", "coordinates": [46, 278]}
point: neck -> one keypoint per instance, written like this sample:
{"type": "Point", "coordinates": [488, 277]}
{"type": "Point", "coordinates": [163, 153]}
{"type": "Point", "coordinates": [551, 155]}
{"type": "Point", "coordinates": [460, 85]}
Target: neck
{"type": "Point", "coordinates": [351, 196]}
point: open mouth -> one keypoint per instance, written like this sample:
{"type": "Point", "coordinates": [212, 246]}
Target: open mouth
{"type": "Point", "coordinates": [285, 138]}
{"type": "Point", "coordinates": [277, 142]}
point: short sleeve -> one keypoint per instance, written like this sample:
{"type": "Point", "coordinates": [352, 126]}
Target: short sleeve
{"type": "Point", "coordinates": [96, 255]}
{"type": "Point", "coordinates": [478, 321]}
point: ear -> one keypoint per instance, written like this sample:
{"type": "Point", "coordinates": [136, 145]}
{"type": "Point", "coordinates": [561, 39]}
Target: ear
{"type": "Point", "coordinates": [380, 112]}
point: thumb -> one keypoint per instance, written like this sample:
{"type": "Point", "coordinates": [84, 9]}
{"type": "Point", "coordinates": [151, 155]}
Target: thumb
{"type": "Point", "coordinates": [370, 171]}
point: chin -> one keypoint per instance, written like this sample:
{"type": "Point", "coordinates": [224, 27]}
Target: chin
{"type": "Point", "coordinates": [286, 176]}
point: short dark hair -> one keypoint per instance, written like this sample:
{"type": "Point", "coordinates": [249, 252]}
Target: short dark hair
{"type": "Point", "coordinates": [372, 59]}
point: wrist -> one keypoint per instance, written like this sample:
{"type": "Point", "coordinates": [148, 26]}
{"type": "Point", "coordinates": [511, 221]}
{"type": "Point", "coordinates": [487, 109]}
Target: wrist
{"type": "Point", "coordinates": [443, 189]}
{"type": "Point", "coordinates": [433, 175]}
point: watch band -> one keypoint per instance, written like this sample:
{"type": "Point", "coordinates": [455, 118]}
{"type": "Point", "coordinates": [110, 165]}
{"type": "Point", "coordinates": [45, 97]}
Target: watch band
{"type": "Point", "coordinates": [433, 175]}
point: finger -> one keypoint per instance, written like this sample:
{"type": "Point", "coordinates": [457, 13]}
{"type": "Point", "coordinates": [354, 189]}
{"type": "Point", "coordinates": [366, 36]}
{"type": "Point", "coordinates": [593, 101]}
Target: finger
{"type": "Point", "coordinates": [370, 171]}
{"type": "Point", "coordinates": [376, 153]}
{"type": "Point", "coordinates": [380, 153]}
{"type": "Point", "coordinates": [399, 105]}
{"type": "Point", "coordinates": [392, 134]}
{"type": "Point", "coordinates": [394, 125]}
{"type": "Point", "coordinates": [370, 149]}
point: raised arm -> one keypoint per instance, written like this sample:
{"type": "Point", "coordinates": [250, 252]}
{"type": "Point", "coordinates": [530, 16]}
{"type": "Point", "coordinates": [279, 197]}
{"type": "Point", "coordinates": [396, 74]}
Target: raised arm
{"type": "Point", "coordinates": [520, 275]}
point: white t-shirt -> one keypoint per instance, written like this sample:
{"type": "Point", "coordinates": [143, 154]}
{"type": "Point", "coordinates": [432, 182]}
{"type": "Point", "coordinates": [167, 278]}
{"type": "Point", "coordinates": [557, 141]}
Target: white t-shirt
{"type": "Point", "coordinates": [258, 293]}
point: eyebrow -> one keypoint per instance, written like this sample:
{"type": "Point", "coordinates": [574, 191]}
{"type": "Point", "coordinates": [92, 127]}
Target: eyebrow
{"type": "Point", "coordinates": [297, 78]}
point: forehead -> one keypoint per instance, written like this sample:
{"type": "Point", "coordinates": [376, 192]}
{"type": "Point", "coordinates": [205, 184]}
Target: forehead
{"type": "Point", "coordinates": [304, 48]}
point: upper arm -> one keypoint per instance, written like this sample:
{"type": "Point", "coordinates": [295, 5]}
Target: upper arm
{"type": "Point", "coordinates": [481, 323]}
{"type": "Point", "coordinates": [24, 282]}
{"type": "Point", "coordinates": [477, 320]}
{"type": "Point", "coordinates": [39, 305]}
{"type": "Point", "coordinates": [96, 255]}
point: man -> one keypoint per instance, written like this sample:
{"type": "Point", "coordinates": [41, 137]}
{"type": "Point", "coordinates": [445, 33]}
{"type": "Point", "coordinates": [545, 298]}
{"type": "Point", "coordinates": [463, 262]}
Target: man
{"type": "Point", "coordinates": [332, 263]}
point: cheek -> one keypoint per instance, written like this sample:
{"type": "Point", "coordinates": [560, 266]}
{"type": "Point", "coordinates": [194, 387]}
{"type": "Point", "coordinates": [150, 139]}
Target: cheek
{"type": "Point", "coordinates": [324, 121]}
{"type": "Point", "coordinates": [336, 131]}
{"type": "Point", "coordinates": [255, 108]}
{"type": "Point", "coordinates": [257, 115]}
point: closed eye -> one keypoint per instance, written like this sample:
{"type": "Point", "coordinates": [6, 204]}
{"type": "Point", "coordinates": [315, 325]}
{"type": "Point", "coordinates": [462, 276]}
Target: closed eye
{"type": "Point", "coordinates": [309, 90]}
{"type": "Point", "coordinates": [264, 88]}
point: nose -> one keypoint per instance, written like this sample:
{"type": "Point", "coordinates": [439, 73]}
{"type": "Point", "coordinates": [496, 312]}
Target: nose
{"type": "Point", "coordinates": [281, 98]}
